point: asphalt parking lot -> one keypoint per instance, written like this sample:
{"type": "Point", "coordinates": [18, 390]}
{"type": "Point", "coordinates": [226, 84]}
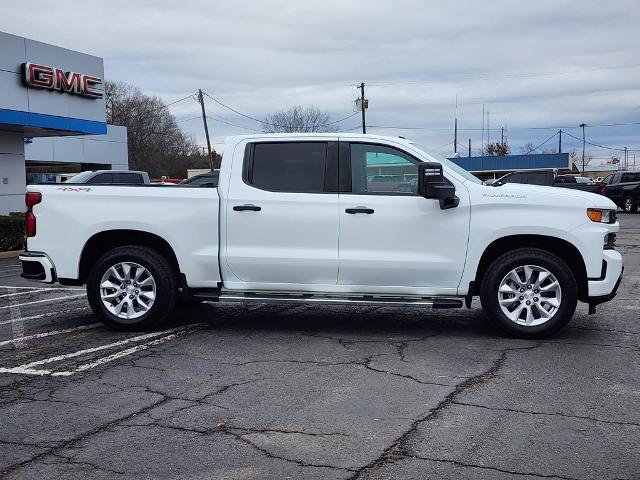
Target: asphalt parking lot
{"type": "Point", "coordinates": [259, 392]}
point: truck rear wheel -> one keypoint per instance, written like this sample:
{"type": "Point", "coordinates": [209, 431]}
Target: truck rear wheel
{"type": "Point", "coordinates": [132, 288]}
{"type": "Point", "coordinates": [529, 293]}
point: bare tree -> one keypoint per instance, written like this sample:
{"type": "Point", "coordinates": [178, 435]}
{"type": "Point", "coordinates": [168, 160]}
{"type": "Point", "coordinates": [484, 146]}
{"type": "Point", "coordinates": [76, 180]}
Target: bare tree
{"type": "Point", "coordinates": [156, 143]}
{"type": "Point", "coordinates": [297, 119]}
{"type": "Point", "coordinates": [576, 159]}
{"type": "Point", "coordinates": [528, 148]}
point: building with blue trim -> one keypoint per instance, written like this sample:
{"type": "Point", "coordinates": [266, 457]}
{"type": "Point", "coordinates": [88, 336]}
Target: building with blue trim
{"type": "Point", "coordinates": [49, 91]}
{"type": "Point", "coordinates": [496, 166]}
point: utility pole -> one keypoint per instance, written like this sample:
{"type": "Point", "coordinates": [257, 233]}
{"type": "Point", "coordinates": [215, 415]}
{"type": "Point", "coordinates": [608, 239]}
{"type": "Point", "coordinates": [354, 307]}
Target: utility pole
{"type": "Point", "coordinates": [583, 144]}
{"type": "Point", "coordinates": [206, 128]}
{"type": "Point", "coordinates": [362, 107]}
{"type": "Point", "coordinates": [488, 129]}
{"type": "Point", "coordinates": [455, 129]}
{"type": "Point", "coordinates": [626, 159]}
{"type": "Point", "coordinates": [560, 141]}
{"type": "Point", "coordinates": [482, 143]}
{"type": "Point", "coordinates": [502, 135]}
{"type": "Point", "coordinates": [470, 150]}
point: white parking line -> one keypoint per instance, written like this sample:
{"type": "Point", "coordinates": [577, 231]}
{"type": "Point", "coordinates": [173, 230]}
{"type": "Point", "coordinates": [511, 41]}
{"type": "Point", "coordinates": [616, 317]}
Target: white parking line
{"type": "Point", "coordinates": [24, 293]}
{"type": "Point", "coordinates": [43, 301]}
{"type": "Point", "coordinates": [14, 287]}
{"type": "Point", "coordinates": [49, 334]}
{"type": "Point", "coordinates": [28, 368]}
{"type": "Point", "coordinates": [42, 315]}
{"type": "Point", "coordinates": [115, 356]}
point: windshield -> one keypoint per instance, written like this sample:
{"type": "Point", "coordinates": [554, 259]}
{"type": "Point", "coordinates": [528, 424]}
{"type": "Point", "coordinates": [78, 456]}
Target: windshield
{"type": "Point", "coordinates": [449, 164]}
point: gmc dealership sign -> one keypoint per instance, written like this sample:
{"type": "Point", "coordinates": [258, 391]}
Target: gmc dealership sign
{"type": "Point", "coordinates": [51, 78]}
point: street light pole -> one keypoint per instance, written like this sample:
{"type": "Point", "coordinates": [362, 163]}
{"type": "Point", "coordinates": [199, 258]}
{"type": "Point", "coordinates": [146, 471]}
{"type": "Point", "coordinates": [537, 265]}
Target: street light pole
{"type": "Point", "coordinates": [583, 144]}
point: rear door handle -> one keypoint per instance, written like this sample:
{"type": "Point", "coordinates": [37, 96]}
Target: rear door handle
{"type": "Point", "coordinates": [252, 208]}
{"type": "Point", "coordinates": [366, 210]}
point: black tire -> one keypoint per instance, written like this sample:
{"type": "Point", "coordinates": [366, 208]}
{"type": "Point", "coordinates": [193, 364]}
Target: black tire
{"type": "Point", "coordinates": [528, 256]}
{"type": "Point", "coordinates": [165, 282]}
{"type": "Point", "coordinates": [629, 205]}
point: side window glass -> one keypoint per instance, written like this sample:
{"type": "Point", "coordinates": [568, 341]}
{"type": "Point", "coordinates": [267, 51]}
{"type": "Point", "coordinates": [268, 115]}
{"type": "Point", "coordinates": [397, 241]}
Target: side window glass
{"type": "Point", "coordinates": [132, 178]}
{"type": "Point", "coordinates": [515, 178]}
{"type": "Point", "coordinates": [101, 178]}
{"type": "Point", "coordinates": [538, 178]}
{"type": "Point", "coordinates": [383, 170]}
{"type": "Point", "coordinates": [288, 167]}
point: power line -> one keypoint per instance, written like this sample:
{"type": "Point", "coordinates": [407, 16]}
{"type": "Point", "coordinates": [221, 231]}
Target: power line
{"type": "Point", "coordinates": [178, 101]}
{"type": "Point", "coordinates": [602, 146]}
{"type": "Point", "coordinates": [187, 119]}
{"type": "Point", "coordinates": [536, 148]}
{"type": "Point", "coordinates": [221, 120]}
{"type": "Point", "coordinates": [268, 123]}
{"type": "Point", "coordinates": [236, 111]}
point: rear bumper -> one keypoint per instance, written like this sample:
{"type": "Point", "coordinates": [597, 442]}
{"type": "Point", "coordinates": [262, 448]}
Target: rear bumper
{"type": "Point", "coordinates": [37, 266]}
{"type": "Point", "coordinates": [604, 289]}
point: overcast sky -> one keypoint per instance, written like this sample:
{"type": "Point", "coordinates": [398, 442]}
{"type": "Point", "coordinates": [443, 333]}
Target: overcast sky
{"type": "Point", "coordinates": [533, 64]}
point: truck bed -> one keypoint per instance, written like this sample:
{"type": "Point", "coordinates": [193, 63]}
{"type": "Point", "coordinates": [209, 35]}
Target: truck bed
{"type": "Point", "coordinates": [69, 216]}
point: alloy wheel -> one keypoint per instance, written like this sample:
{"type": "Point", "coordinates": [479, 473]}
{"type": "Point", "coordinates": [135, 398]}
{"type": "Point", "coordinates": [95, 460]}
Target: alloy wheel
{"type": "Point", "coordinates": [128, 290]}
{"type": "Point", "coordinates": [529, 295]}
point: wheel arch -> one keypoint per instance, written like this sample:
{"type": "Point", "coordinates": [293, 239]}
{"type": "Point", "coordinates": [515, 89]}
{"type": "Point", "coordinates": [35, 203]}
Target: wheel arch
{"type": "Point", "coordinates": [562, 248]}
{"type": "Point", "coordinates": [102, 242]}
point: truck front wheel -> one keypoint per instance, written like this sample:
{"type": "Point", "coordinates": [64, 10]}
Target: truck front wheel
{"type": "Point", "coordinates": [132, 288]}
{"type": "Point", "coordinates": [529, 293]}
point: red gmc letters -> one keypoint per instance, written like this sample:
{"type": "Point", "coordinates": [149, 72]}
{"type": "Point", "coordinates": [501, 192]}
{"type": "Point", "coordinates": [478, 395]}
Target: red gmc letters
{"type": "Point", "coordinates": [52, 78]}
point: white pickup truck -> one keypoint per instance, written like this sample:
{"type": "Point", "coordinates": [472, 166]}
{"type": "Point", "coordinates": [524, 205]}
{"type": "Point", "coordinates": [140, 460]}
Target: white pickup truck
{"type": "Point", "coordinates": [328, 218]}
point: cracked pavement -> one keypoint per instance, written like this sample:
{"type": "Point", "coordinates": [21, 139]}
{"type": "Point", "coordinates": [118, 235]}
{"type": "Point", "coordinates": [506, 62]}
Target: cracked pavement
{"type": "Point", "coordinates": [264, 391]}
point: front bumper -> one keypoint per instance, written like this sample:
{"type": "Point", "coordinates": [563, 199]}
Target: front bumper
{"type": "Point", "coordinates": [603, 289]}
{"type": "Point", "coordinates": [37, 266]}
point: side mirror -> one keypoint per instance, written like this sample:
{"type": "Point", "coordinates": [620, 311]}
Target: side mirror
{"type": "Point", "coordinates": [432, 184]}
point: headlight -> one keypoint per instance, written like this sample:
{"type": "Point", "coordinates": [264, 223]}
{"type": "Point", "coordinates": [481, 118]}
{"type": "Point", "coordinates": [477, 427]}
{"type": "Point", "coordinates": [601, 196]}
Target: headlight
{"type": "Point", "coordinates": [601, 215]}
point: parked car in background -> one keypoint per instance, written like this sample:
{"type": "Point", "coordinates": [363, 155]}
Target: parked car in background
{"type": "Point", "coordinates": [209, 179]}
{"type": "Point", "coordinates": [113, 177]}
{"type": "Point", "coordinates": [550, 179]}
{"type": "Point", "coordinates": [624, 189]}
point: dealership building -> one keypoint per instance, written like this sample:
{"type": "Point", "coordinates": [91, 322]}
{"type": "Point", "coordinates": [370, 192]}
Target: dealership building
{"type": "Point", "coordinates": [52, 117]}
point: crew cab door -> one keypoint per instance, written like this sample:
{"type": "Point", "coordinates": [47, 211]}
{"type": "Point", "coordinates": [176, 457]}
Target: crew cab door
{"type": "Point", "coordinates": [391, 239]}
{"type": "Point", "coordinates": [281, 216]}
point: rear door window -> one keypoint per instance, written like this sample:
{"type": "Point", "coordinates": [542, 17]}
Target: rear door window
{"type": "Point", "coordinates": [288, 167]}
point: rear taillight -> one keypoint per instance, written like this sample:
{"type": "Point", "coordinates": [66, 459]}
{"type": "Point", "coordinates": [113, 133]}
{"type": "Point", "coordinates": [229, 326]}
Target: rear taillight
{"type": "Point", "coordinates": [602, 189]}
{"type": "Point", "coordinates": [31, 199]}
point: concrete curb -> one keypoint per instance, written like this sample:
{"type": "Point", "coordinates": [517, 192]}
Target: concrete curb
{"type": "Point", "coordinates": [11, 254]}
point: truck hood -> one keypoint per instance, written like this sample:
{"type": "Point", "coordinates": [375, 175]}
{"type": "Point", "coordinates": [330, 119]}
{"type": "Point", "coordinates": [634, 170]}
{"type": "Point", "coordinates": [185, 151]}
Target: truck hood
{"type": "Point", "coordinates": [548, 196]}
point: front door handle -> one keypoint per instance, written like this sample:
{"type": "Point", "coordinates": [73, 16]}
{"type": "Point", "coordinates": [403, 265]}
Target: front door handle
{"type": "Point", "coordinates": [252, 208]}
{"type": "Point", "coordinates": [366, 210]}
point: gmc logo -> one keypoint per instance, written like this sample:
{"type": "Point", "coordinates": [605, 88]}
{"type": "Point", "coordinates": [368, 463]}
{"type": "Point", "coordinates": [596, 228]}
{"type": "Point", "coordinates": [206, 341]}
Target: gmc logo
{"type": "Point", "coordinates": [52, 78]}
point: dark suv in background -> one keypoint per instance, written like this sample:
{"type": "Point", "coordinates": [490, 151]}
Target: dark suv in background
{"type": "Point", "coordinates": [624, 189]}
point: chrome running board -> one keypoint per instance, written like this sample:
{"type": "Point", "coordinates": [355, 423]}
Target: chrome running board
{"type": "Point", "coordinates": [313, 298]}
